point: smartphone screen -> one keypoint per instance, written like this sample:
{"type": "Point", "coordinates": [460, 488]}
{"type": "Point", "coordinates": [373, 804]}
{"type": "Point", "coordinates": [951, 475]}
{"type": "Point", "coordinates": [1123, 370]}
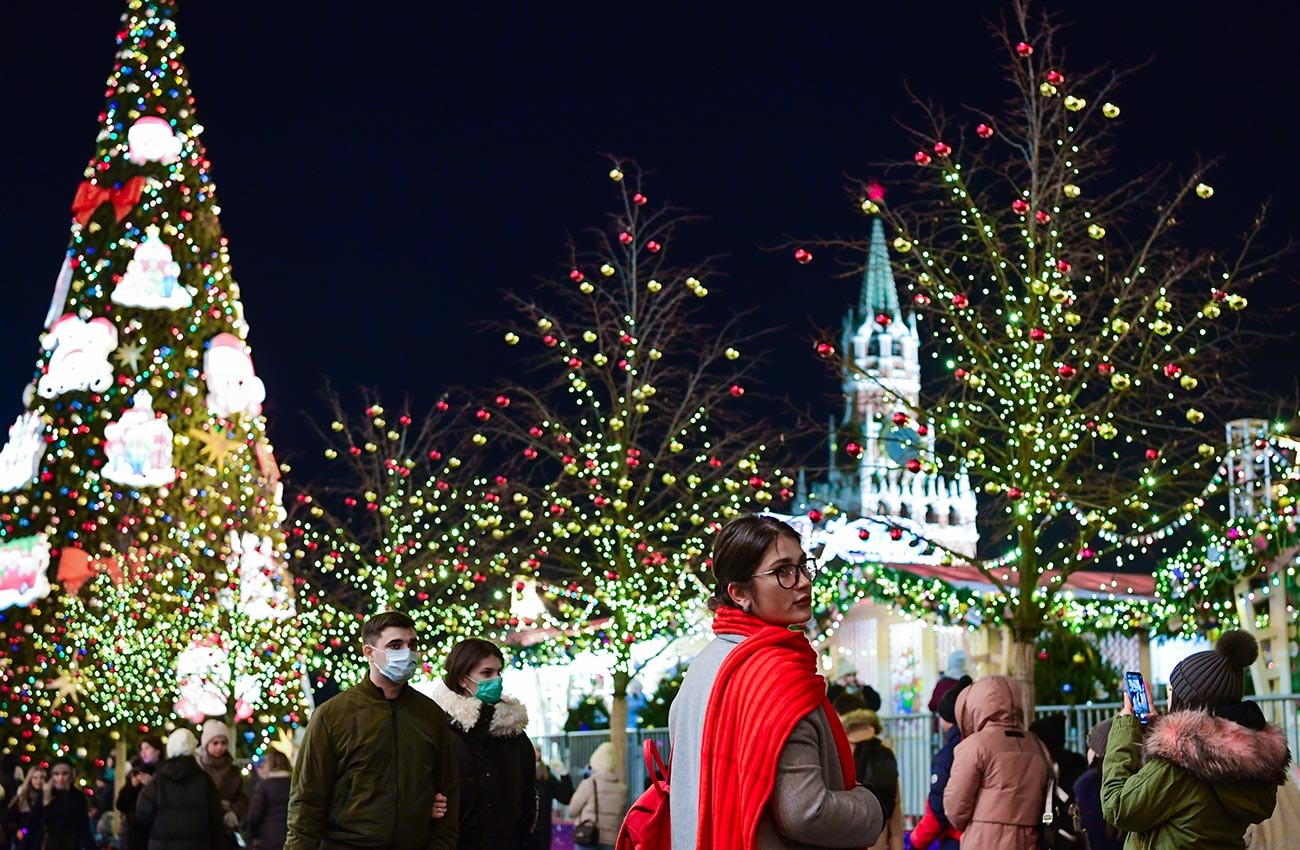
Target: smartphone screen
{"type": "Point", "coordinates": [1137, 694]}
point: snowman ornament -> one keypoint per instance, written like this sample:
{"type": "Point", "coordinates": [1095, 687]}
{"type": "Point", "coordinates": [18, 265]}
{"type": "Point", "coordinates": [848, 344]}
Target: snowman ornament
{"type": "Point", "coordinates": [152, 139]}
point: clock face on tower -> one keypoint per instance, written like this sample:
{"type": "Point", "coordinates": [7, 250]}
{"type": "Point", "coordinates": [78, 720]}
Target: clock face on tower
{"type": "Point", "coordinates": [900, 443]}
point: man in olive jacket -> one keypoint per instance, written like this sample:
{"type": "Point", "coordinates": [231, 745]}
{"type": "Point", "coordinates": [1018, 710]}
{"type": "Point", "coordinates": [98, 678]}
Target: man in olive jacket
{"type": "Point", "coordinates": [377, 768]}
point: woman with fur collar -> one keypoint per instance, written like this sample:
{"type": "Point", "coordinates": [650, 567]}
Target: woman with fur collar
{"type": "Point", "coordinates": [1204, 772]}
{"type": "Point", "coordinates": [498, 797]}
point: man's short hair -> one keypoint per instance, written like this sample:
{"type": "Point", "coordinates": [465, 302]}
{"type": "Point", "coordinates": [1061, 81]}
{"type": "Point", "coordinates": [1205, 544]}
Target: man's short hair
{"type": "Point", "coordinates": [375, 626]}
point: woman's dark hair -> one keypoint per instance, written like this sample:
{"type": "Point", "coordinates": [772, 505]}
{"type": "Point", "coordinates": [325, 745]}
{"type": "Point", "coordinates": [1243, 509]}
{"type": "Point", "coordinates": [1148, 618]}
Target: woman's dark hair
{"type": "Point", "coordinates": [738, 552]}
{"type": "Point", "coordinates": [464, 657]}
{"type": "Point", "coordinates": [276, 760]}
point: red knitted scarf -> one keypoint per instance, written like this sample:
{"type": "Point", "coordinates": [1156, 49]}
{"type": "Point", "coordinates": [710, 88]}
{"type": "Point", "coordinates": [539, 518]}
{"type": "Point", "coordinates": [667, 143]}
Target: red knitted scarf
{"type": "Point", "coordinates": [767, 684]}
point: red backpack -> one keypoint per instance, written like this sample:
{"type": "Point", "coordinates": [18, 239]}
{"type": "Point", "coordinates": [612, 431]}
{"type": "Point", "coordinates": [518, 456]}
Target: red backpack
{"type": "Point", "coordinates": [647, 825]}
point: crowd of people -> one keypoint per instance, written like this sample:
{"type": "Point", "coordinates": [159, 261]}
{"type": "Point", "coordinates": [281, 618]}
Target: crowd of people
{"type": "Point", "coordinates": [763, 757]}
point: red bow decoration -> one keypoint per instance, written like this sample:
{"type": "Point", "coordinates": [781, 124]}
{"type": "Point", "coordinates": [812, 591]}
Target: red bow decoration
{"type": "Point", "coordinates": [90, 195]}
{"type": "Point", "coordinates": [76, 567]}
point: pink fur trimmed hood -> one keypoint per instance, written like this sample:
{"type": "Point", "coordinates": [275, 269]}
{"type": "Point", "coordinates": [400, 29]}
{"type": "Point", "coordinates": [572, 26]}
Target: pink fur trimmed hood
{"type": "Point", "coordinates": [1218, 750]}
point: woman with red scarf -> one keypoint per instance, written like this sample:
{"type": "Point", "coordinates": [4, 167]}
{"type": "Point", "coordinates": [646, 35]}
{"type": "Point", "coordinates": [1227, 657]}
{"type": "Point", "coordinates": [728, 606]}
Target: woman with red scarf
{"type": "Point", "coordinates": [759, 758]}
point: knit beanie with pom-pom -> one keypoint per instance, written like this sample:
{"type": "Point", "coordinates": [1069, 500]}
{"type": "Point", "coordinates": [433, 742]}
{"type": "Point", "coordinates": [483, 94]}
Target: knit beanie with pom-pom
{"type": "Point", "coordinates": [1214, 677]}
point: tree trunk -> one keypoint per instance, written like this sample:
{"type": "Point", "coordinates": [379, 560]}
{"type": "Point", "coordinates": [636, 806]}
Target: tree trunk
{"type": "Point", "coordinates": [1022, 669]}
{"type": "Point", "coordinates": [120, 771]}
{"type": "Point", "coordinates": [618, 720]}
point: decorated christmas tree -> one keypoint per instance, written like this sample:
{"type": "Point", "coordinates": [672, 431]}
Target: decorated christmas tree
{"type": "Point", "coordinates": [1081, 343]}
{"type": "Point", "coordinates": [407, 521]}
{"type": "Point", "coordinates": [141, 564]}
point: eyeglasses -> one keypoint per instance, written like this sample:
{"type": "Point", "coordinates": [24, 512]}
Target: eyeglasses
{"type": "Point", "coordinates": [787, 575]}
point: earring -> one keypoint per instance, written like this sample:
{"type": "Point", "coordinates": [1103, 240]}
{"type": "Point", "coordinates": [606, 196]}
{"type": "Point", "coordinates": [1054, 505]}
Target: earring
{"type": "Point", "coordinates": [744, 606]}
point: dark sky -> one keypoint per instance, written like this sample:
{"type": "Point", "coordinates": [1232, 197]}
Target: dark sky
{"type": "Point", "coordinates": [387, 170]}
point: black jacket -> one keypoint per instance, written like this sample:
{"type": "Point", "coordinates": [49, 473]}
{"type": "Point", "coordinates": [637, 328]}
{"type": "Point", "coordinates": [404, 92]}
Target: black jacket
{"type": "Point", "coordinates": [181, 808]}
{"type": "Point", "coordinates": [550, 790]}
{"type": "Point", "coordinates": [266, 825]}
{"type": "Point", "coordinates": [137, 834]}
{"type": "Point", "coordinates": [67, 822]}
{"type": "Point", "coordinates": [876, 767]}
{"type": "Point", "coordinates": [498, 795]}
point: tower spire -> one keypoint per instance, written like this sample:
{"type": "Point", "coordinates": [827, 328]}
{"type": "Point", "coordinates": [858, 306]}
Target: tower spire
{"type": "Point", "coordinates": [879, 292]}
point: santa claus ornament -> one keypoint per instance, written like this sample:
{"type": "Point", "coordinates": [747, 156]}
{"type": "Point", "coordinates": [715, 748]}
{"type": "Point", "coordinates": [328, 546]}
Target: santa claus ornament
{"type": "Point", "coordinates": [152, 139]}
{"type": "Point", "coordinates": [78, 356]}
{"type": "Point", "coordinates": [233, 388]}
{"type": "Point", "coordinates": [139, 446]}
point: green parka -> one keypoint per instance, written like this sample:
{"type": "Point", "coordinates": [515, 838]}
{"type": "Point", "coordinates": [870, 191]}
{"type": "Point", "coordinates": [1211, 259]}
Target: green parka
{"type": "Point", "coordinates": [368, 771]}
{"type": "Point", "coordinates": [1195, 783]}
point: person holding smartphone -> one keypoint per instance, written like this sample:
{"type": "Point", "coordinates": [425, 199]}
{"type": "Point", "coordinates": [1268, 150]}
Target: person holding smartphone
{"type": "Point", "coordinates": [1203, 773]}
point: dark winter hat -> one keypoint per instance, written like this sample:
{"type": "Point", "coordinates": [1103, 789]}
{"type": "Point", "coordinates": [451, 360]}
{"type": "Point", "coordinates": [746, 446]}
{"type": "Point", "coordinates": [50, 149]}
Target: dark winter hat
{"type": "Point", "coordinates": [1051, 731]}
{"type": "Point", "coordinates": [1214, 677]}
{"type": "Point", "coordinates": [871, 697]}
{"type": "Point", "coordinates": [948, 705]}
{"type": "Point", "coordinates": [1099, 735]}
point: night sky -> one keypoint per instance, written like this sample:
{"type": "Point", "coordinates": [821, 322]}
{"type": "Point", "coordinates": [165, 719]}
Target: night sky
{"type": "Point", "coordinates": [387, 170]}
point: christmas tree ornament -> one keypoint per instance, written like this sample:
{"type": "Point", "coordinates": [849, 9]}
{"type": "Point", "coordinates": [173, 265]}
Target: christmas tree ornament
{"type": "Point", "coordinates": [1204, 190]}
{"type": "Point", "coordinates": [24, 568]}
{"type": "Point", "coordinates": [203, 679]}
{"type": "Point", "coordinates": [151, 281]}
{"type": "Point", "coordinates": [984, 131]}
{"type": "Point", "coordinates": [1074, 104]}
{"type": "Point", "coordinates": [1110, 110]}
{"type": "Point", "coordinates": [20, 459]}
{"type": "Point", "coordinates": [802, 256]}
{"type": "Point", "coordinates": [151, 139]}
{"type": "Point", "coordinates": [1024, 50]}
{"type": "Point", "coordinates": [91, 195]}
{"type": "Point", "coordinates": [139, 446]}
{"type": "Point", "coordinates": [59, 300]}
{"type": "Point", "coordinates": [921, 158]}
{"type": "Point", "coordinates": [233, 388]}
{"type": "Point", "coordinates": [941, 149]}
{"type": "Point", "coordinates": [264, 590]}
{"type": "Point", "coordinates": [79, 351]}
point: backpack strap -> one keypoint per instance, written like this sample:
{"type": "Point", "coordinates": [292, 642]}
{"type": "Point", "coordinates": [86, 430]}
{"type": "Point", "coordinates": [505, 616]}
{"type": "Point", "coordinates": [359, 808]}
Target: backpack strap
{"type": "Point", "coordinates": [654, 762]}
{"type": "Point", "coordinates": [1049, 807]}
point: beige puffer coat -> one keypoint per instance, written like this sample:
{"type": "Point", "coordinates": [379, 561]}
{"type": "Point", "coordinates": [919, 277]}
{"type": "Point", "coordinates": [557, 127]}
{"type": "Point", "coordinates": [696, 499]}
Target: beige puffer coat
{"type": "Point", "coordinates": [998, 785]}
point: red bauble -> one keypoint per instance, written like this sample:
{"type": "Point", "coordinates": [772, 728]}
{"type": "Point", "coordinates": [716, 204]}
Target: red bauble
{"type": "Point", "coordinates": [639, 199]}
{"type": "Point", "coordinates": [802, 257]}
{"type": "Point", "coordinates": [896, 534]}
{"type": "Point", "coordinates": [941, 149]}
{"type": "Point", "coordinates": [961, 373]}
{"type": "Point", "coordinates": [1063, 266]}
{"type": "Point", "coordinates": [1152, 454]}
{"type": "Point", "coordinates": [1042, 217]}
{"type": "Point", "coordinates": [913, 465]}
{"type": "Point", "coordinates": [483, 415]}
{"type": "Point", "coordinates": [625, 238]}
{"type": "Point", "coordinates": [825, 350]}
{"type": "Point", "coordinates": [921, 299]}
{"type": "Point", "coordinates": [1038, 334]}
{"type": "Point", "coordinates": [882, 320]}
{"type": "Point", "coordinates": [1105, 368]}
{"type": "Point", "coordinates": [984, 131]}
{"type": "Point", "coordinates": [1065, 370]}
{"type": "Point", "coordinates": [737, 390]}
{"type": "Point", "coordinates": [549, 340]}
{"type": "Point", "coordinates": [1019, 206]}
{"type": "Point", "coordinates": [530, 453]}
{"type": "Point", "coordinates": [503, 401]}
{"type": "Point", "coordinates": [576, 276]}
{"type": "Point", "coordinates": [1055, 77]}
{"type": "Point", "coordinates": [404, 419]}
{"type": "Point", "coordinates": [899, 418]}
{"type": "Point", "coordinates": [1024, 50]}
{"type": "Point", "coordinates": [854, 450]}
{"type": "Point", "coordinates": [863, 534]}
{"type": "Point", "coordinates": [653, 246]}
{"type": "Point", "coordinates": [961, 302]}
{"type": "Point", "coordinates": [1173, 370]}
{"type": "Point", "coordinates": [1014, 493]}
{"type": "Point", "coordinates": [815, 515]}
{"type": "Point", "coordinates": [443, 406]}
{"type": "Point", "coordinates": [921, 158]}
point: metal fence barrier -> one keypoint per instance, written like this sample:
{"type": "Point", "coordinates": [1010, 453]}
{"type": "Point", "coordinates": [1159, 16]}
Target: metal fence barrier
{"type": "Point", "coordinates": [914, 739]}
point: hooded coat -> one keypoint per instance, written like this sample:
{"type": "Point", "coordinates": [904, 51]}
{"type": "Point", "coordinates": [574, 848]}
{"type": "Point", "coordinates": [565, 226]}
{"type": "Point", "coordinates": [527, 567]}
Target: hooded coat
{"type": "Point", "coordinates": [601, 797]}
{"type": "Point", "coordinates": [181, 808]}
{"type": "Point", "coordinates": [1197, 781]}
{"type": "Point", "coordinates": [498, 791]}
{"type": "Point", "coordinates": [998, 785]}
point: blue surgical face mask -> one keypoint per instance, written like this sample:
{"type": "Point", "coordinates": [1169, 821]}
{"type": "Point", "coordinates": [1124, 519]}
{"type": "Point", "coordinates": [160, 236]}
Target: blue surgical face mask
{"type": "Point", "coordinates": [399, 665]}
{"type": "Point", "coordinates": [489, 691]}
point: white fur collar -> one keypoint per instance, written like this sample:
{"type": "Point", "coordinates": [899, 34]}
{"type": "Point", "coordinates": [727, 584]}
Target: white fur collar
{"type": "Point", "coordinates": [510, 718]}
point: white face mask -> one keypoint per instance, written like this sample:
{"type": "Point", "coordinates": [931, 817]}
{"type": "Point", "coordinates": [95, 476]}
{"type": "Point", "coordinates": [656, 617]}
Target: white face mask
{"type": "Point", "coordinates": [399, 665]}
